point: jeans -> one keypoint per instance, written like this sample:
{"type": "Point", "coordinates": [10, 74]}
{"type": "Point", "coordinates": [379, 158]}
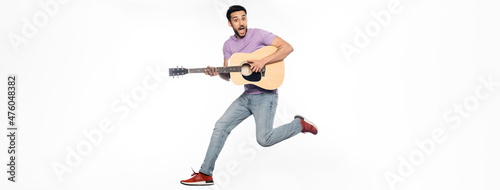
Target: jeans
{"type": "Point", "coordinates": [263, 108]}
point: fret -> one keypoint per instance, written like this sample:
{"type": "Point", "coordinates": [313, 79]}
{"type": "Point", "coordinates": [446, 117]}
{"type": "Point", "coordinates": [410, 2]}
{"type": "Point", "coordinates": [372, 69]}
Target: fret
{"type": "Point", "coordinates": [219, 69]}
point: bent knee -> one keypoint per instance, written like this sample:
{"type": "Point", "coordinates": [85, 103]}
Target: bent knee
{"type": "Point", "coordinates": [264, 142]}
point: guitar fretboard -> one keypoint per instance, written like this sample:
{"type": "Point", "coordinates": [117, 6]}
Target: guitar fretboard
{"type": "Point", "coordinates": [219, 69]}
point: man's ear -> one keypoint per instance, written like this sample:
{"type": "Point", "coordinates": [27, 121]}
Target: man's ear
{"type": "Point", "coordinates": [229, 23]}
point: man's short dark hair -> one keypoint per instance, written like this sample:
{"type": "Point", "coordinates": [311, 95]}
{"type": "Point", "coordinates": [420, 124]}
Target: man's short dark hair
{"type": "Point", "coordinates": [233, 9]}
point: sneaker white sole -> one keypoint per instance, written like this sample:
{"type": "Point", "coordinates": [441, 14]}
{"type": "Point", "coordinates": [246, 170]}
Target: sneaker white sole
{"type": "Point", "coordinates": [199, 183]}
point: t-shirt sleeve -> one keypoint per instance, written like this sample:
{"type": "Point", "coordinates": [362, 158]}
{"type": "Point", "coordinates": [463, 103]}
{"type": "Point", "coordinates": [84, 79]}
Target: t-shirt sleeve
{"type": "Point", "coordinates": [226, 51]}
{"type": "Point", "coordinates": [267, 37]}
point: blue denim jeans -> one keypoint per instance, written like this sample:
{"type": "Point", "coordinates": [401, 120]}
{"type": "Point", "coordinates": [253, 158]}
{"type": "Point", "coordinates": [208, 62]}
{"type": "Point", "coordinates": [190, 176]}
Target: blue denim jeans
{"type": "Point", "coordinates": [263, 108]}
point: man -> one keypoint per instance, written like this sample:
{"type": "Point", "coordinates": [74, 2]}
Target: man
{"type": "Point", "coordinates": [254, 101]}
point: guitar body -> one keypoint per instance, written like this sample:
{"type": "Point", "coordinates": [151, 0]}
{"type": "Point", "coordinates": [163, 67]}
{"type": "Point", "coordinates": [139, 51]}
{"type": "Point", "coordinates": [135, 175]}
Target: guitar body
{"type": "Point", "coordinates": [270, 78]}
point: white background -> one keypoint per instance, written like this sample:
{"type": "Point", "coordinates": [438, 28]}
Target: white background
{"type": "Point", "coordinates": [85, 56]}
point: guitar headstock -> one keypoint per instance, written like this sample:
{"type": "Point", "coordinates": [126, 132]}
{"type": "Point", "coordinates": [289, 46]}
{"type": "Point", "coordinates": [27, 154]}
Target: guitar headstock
{"type": "Point", "coordinates": [177, 71]}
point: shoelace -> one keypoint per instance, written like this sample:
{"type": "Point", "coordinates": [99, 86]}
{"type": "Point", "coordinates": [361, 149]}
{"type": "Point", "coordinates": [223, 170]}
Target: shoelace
{"type": "Point", "coordinates": [194, 173]}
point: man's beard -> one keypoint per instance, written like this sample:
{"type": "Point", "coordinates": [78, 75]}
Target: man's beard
{"type": "Point", "coordinates": [236, 31]}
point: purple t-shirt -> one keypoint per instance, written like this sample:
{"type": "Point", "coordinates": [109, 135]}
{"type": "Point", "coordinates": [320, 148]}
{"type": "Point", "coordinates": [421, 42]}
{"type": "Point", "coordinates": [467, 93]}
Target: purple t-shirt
{"type": "Point", "coordinates": [253, 40]}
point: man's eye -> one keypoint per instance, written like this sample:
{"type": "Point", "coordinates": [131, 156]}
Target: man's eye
{"type": "Point", "coordinates": [235, 20]}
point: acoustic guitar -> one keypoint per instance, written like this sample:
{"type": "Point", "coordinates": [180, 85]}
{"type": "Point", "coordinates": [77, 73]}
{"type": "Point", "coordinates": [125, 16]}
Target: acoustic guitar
{"type": "Point", "coordinates": [270, 77]}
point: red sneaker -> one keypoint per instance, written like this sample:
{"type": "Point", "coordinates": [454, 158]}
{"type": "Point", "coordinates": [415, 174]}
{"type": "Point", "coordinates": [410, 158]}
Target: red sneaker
{"type": "Point", "coordinates": [307, 126]}
{"type": "Point", "coordinates": [198, 179]}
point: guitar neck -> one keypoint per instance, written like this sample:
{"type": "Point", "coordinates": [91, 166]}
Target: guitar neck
{"type": "Point", "coordinates": [219, 69]}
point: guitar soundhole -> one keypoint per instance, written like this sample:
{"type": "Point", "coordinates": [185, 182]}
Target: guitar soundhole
{"type": "Point", "coordinates": [245, 69]}
{"type": "Point", "coordinates": [248, 74]}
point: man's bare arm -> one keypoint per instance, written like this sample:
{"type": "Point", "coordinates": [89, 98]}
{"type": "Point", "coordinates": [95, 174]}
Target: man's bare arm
{"type": "Point", "coordinates": [225, 76]}
{"type": "Point", "coordinates": [284, 49]}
